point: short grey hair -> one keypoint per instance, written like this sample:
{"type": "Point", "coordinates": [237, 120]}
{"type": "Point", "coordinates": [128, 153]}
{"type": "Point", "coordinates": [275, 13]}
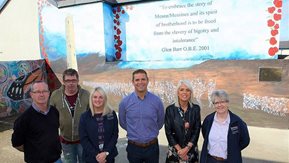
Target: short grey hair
{"type": "Point", "coordinates": [222, 94]}
{"type": "Point", "coordinates": [107, 108]}
{"type": "Point", "coordinates": [188, 84]}
{"type": "Point", "coordinates": [31, 87]}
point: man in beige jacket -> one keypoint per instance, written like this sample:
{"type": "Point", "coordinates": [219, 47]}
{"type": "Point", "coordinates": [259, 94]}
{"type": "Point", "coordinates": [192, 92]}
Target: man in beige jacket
{"type": "Point", "coordinates": [71, 101]}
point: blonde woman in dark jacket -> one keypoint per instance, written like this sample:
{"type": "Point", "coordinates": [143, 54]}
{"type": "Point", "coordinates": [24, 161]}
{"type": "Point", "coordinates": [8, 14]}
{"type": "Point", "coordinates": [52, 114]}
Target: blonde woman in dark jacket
{"type": "Point", "coordinates": [182, 126]}
{"type": "Point", "coordinates": [98, 130]}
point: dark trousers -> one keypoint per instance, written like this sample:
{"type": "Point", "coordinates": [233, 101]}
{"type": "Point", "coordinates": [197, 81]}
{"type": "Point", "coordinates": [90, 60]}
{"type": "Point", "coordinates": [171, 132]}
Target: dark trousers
{"type": "Point", "coordinates": [136, 154]}
{"type": "Point", "coordinates": [112, 160]}
{"type": "Point", "coordinates": [211, 159]}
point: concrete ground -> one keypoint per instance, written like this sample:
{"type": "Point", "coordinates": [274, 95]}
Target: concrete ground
{"type": "Point", "coordinates": [267, 146]}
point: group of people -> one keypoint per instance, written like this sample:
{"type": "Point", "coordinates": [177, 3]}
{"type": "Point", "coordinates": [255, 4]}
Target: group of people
{"type": "Point", "coordinates": [89, 126]}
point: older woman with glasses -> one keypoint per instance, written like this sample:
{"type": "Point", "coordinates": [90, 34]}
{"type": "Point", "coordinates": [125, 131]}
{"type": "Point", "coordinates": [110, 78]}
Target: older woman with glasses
{"type": "Point", "coordinates": [182, 126]}
{"type": "Point", "coordinates": [225, 134]}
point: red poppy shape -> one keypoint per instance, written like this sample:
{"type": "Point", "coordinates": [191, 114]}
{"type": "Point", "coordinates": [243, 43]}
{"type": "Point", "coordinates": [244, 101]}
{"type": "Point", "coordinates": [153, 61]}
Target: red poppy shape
{"type": "Point", "coordinates": [118, 32]}
{"type": "Point", "coordinates": [119, 42]}
{"type": "Point", "coordinates": [278, 3]}
{"type": "Point", "coordinates": [279, 10]}
{"type": "Point", "coordinates": [119, 49]}
{"type": "Point", "coordinates": [270, 23]}
{"type": "Point", "coordinates": [274, 32]}
{"type": "Point", "coordinates": [272, 51]}
{"type": "Point", "coordinates": [273, 41]}
{"type": "Point", "coordinates": [271, 9]}
{"type": "Point", "coordinates": [277, 17]}
{"type": "Point", "coordinates": [118, 55]}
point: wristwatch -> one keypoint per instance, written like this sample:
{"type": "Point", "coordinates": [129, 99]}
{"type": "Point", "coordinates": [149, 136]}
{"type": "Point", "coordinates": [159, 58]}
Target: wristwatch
{"type": "Point", "coordinates": [189, 146]}
{"type": "Point", "coordinates": [106, 153]}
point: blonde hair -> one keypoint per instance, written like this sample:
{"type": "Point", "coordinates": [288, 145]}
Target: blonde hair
{"type": "Point", "coordinates": [106, 108]}
{"type": "Point", "coordinates": [188, 84]}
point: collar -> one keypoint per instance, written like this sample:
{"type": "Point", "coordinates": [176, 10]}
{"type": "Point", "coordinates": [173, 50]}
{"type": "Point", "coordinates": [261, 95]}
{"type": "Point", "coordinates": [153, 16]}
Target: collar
{"type": "Point", "coordinates": [136, 95]}
{"type": "Point", "coordinates": [227, 120]}
{"type": "Point", "coordinates": [36, 108]}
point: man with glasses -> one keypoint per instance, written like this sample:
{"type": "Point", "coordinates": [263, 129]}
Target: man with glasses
{"type": "Point", "coordinates": [36, 130]}
{"type": "Point", "coordinates": [71, 101]}
{"type": "Point", "coordinates": [225, 134]}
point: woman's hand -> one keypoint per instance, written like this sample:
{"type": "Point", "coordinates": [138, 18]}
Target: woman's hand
{"type": "Point", "coordinates": [183, 153]}
{"type": "Point", "coordinates": [101, 157]}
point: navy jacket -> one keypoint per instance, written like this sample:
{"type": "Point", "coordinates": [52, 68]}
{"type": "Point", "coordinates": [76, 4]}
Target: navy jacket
{"type": "Point", "coordinates": [238, 137]}
{"type": "Point", "coordinates": [88, 131]}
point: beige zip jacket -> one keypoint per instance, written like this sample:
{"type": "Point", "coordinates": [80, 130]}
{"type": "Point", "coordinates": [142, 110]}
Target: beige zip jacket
{"type": "Point", "coordinates": [68, 124]}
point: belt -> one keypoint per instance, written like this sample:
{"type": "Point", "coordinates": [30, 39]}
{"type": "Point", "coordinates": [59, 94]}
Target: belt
{"type": "Point", "coordinates": [217, 158]}
{"type": "Point", "coordinates": [62, 140]}
{"type": "Point", "coordinates": [143, 145]}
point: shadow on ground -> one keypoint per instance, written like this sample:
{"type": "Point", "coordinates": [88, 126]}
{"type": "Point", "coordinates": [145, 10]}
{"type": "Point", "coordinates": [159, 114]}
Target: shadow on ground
{"type": "Point", "coordinates": [7, 124]}
{"type": "Point", "coordinates": [121, 158]}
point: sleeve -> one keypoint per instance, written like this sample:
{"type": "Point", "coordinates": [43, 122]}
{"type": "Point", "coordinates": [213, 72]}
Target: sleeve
{"type": "Point", "coordinates": [84, 137]}
{"type": "Point", "coordinates": [87, 99]}
{"type": "Point", "coordinates": [197, 126]}
{"type": "Point", "coordinates": [204, 127]}
{"type": "Point", "coordinates": [122, 114]}
{"type": "Point", "coordinates": [52, 99]}
{"type": "Point", "coordinates": [161, 114]}
{"type": "Point", "coordinates": [169, 127]}
{"type": "Point", "coordinates": [113, 139]}
{"type": "Point", "coordinates": [18, 135]}
{"type": "Point", "coordinates": [245, 138]}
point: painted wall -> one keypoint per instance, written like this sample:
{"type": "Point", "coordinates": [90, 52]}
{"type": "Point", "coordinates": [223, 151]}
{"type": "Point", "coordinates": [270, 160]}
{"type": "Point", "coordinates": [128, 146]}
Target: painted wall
{"type": "Point", "coordinates": [15, 79]}
{"type": "Point", "coordinates": [263, 104]}
{"type": "Point", "coordinates": [92, 46]}
{"type": "Point", "coordinates": [19, 40]}
{"type": "Point", "coordinates": [111, 42]}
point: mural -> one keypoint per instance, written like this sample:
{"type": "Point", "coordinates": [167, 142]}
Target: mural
{"type": "Point", "coordinates": [181, 33]}
{"type": "Point", "coordinates": [185, 33]}
{"type": "Point", "coordinates": [110, 42]}
{"type": "Point", "coordinates": [15, 79]}
{"type": "Point", "coordinates": [259, 103]}
{"type": "Point", "coordinates": [57, 36]}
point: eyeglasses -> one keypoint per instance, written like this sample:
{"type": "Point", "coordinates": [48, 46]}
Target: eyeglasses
{"type": "Point", "coordinates": [71, 81]}
{"type": "Point", "coordinates": [220, 102]}
{"type": "Point", "coordinates": [40, 92]}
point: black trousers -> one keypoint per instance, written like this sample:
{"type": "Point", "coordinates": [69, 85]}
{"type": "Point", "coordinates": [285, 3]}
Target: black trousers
{"type": "Point", "coordinates": [136, 154]}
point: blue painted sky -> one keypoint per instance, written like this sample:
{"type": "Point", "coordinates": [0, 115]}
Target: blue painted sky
{"type": "Point", "coordinates": [88, 29]}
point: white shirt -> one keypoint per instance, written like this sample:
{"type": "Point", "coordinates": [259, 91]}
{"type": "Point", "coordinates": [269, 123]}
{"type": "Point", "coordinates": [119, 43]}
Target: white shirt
{"type": "Point", "coordinates": [218, 137]}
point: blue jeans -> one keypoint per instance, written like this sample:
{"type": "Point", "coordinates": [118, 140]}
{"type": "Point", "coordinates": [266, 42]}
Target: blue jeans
{"type": "Point", "coordinates": [137, 154]}
{"type": "Point", "coordinates": [58, 161]}
{"type": "Point", "coordinates": [72, 153]}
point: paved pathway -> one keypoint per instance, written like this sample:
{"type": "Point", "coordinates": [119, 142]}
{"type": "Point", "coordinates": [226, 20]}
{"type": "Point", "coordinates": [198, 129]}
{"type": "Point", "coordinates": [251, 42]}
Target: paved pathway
{"type": "Point", "coordinates": [267, 146]}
